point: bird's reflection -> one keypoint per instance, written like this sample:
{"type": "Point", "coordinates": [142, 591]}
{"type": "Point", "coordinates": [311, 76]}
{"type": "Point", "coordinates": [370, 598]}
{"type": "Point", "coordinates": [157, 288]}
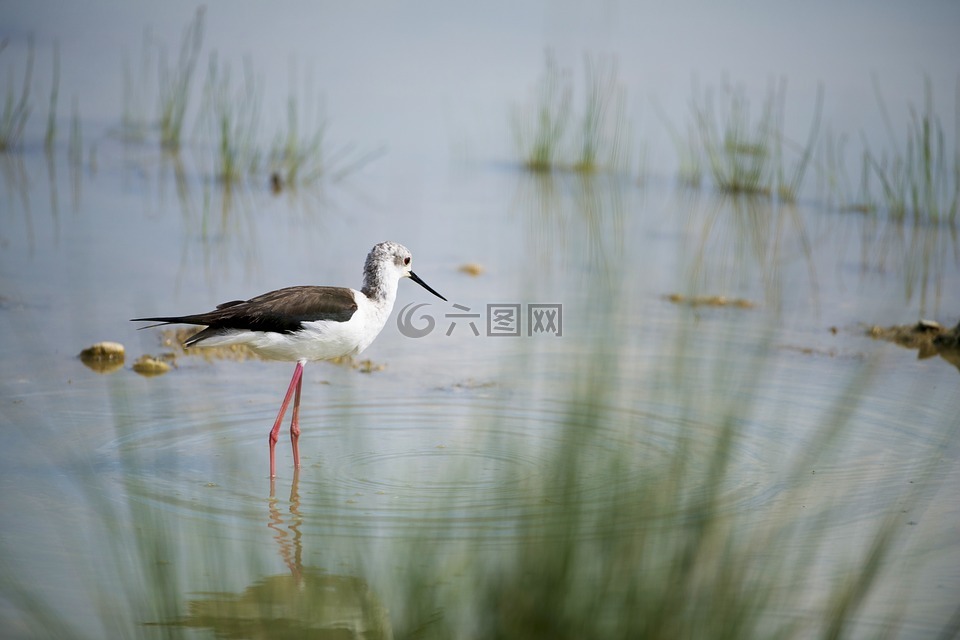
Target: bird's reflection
{"type": "Point", "coordinates": [288, 538]}
{"type": "Point", "coordinates": [306, 603]}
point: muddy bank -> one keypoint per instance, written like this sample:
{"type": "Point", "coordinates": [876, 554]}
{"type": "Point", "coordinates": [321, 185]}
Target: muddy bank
{"type": "Point", "coordinates": [929, 338]}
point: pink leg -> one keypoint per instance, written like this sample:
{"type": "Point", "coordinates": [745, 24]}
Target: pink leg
{"type": "Point", "coordinates": [275, 432]}
{"type": "Point", "coordinates": [295, 426]}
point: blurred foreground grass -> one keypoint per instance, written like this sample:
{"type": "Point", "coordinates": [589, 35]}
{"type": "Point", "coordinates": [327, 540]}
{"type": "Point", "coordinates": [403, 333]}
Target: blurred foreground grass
{"type": "Point", "coordinates": [660, 553]}
{"type": "Point", "coordinates": [614, 538]}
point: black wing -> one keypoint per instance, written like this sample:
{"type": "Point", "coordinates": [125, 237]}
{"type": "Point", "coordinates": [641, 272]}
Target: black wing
{"type": "Point", "coordinates": [280, 311]}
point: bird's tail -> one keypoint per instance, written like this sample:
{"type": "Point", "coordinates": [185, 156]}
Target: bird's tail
{"type": "Point", "coordinates": [159, 322]}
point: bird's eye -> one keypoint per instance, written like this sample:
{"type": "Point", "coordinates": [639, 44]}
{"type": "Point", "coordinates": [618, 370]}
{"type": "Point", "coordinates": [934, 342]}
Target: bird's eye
{"type": "Point", "coordinates": [406, 261]}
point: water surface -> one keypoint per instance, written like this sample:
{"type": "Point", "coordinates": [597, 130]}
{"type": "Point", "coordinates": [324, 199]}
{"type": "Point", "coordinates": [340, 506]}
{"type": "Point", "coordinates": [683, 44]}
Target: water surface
{"type": "Point", "coordinates": [141, 505]}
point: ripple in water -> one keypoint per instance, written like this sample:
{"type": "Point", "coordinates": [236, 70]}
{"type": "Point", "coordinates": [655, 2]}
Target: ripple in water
{"type": "Point", "coordinates": [481, 461]}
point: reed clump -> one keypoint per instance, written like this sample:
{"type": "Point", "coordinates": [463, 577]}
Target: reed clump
{"type": "Point", "coordinates": [50, 137]}
{"type": "Point", "coordinates": [551, 134]}
{"type": "Point", "coordinates": [16, 107]}
{"type": "Point", "coordinates": [232, 122]}
{"type": "Point", "coordinates": [175, 83]}
{"type": "Point", "coordinates": [229, 119]}
{"type": "Point", "coordinates": [920, 180]}
{"type": "Point", "coordinates": [301, 152]}
{"type": "Point", "coordinates": [747, 155]}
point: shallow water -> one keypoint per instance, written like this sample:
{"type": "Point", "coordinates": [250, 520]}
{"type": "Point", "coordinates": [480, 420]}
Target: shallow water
{"type": "Point", "coordinates": [129, 500]}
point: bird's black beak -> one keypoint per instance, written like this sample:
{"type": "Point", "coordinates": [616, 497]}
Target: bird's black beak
{"type": "Point", "coordinates": [423, 284]}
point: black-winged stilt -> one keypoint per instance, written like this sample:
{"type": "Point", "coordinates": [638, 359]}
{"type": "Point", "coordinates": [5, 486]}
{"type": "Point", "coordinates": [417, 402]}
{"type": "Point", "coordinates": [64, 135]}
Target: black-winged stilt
{"type": "Point", "coordinates": [307, 323]}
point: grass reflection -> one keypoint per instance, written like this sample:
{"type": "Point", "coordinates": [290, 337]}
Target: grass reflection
{"type": "Point", "coordinates": [738, 238]}
{"type": "Point", "coordinates": [921, 253]}
{"type": "Point", "coordinates": [572, 213]}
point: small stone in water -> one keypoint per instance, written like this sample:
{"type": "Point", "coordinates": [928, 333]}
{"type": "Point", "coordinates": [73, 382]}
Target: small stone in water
{"type": "Point", "coordinates": [147, 365]}
{"type": "Point", "coordinates": [104, 350]}
{"type": "Point", "coordinates": [471, 269]}
{"type": "Point", "coordinates": [103, 357]}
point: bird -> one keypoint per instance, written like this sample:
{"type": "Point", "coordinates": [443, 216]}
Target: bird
{"type": "Point", "coordinates": [306, 323]}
